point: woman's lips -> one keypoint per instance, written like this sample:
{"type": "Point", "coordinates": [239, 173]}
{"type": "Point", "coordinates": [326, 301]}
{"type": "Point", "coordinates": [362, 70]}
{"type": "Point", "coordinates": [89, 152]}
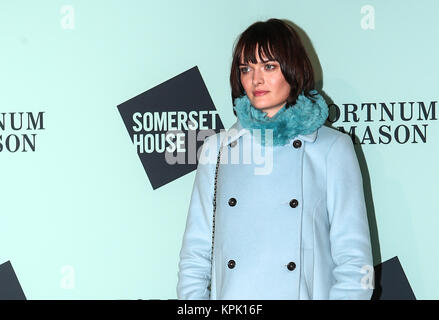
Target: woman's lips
{"type": "Point", "coordinates": [259, 93]}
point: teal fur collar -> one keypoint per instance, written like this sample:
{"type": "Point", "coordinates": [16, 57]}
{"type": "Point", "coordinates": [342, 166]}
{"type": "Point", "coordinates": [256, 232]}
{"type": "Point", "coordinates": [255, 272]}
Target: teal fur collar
{"type": "Point", "coordinates": [303, 118]}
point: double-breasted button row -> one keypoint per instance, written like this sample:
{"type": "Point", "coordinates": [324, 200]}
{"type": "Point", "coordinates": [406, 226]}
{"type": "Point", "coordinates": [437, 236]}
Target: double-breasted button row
{"type": "Point", "coordinates": [297, 144]}
{"type": "Point", "coordinates": [291, 265]}
{"type": "Point", "coordinates": [293, 203]}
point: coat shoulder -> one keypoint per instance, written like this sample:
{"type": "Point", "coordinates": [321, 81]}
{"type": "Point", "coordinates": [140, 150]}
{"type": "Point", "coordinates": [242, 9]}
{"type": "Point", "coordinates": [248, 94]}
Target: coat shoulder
{"type": "Point", "coordinates": [328, 135]}
{"type": "Point", "coordinates": [213, 141]}
{"type": "Point", "coordinates": [210, 147]}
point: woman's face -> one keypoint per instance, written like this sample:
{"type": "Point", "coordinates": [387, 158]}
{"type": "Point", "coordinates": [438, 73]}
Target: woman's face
{"type": "Point", "coordinates": [264, 85]}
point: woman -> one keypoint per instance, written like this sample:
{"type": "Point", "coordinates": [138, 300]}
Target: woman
{"type": "Point", "coordinates": [294, 225]}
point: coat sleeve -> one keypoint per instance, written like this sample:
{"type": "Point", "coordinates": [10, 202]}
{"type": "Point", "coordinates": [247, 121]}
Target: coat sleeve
{"type": "Point", "coordinates": [349, 229]}
{"type": "Point", "coordinates": [194, 266]}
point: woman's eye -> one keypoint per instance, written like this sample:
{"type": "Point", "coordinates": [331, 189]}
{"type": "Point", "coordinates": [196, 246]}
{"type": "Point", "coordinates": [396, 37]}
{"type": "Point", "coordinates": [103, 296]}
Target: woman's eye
{"type": "Point", "coordinates": [270, 66]}
{"type": "Point", "coordinates": [244, 70]}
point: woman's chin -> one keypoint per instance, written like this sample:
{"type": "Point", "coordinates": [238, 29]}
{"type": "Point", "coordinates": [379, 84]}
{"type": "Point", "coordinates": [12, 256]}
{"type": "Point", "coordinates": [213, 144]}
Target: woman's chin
{"type": "Point", "coordinates": [259, 104]}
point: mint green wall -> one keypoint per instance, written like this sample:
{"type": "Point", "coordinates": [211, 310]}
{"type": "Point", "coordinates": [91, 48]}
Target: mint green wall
{"type": "Point", "coordinates": [83, 198]}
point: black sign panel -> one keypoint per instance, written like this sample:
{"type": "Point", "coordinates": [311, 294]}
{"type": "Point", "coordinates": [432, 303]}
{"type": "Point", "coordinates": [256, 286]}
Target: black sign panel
{"type": "Point", "coordinates": [10, 288]}
{"type": "Point", "coordinates": [391, 282]}
{"type": "Point", "coordinates": [168, 124]}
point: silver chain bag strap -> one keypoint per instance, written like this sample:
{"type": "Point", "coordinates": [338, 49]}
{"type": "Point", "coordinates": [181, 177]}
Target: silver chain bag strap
{"type": "Point", "coordinates": [214, 212]}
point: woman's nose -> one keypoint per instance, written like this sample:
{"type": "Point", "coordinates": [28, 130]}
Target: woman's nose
{"type": "Point", "coordinates": [258, 77]}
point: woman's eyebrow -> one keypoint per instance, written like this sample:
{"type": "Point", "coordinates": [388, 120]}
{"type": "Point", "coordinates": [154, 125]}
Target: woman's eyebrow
{"type": "Point", "coordinates": [263, 62]}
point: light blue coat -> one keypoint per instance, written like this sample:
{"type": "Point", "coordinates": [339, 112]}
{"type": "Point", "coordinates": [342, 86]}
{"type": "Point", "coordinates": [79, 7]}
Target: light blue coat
{"type": "Point", "coordinates": [325, 232]}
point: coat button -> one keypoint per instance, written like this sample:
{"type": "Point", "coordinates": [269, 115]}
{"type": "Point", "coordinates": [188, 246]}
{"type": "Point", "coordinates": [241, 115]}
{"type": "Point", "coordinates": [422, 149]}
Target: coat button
{"type": "Point", "coordinates": [231, 264]}
{"type": "Point", "coordinates": [294, 203]}
{"type": "Point", "coordinates": [233, 143]}
{"type": "Point", "coordinates": [291, 266]}
{"type": "Point", "coordinates": [232, 202]}
{"type": "Point", "coordinates": [297, 144]}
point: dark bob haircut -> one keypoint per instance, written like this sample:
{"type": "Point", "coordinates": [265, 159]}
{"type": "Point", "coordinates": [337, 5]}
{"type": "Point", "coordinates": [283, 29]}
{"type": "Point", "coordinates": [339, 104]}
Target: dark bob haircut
{"type": "Point", "coordinates": [277, 41]}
